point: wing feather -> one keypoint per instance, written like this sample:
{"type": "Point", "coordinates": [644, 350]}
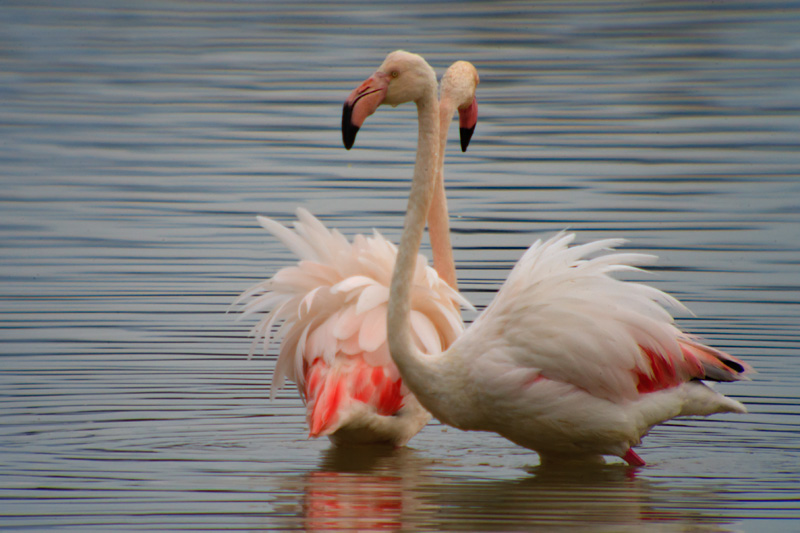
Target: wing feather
{"type": "Point", "coordinates": [562, 313]}
{"type": "Point", "coordinates": [290, 239]}
{"type": "Point", "coordinates": [373, 329]}
{"type": "Point", "coordinates": [331, 305]}
{"type": "Point", "coordinates": [371, 297]}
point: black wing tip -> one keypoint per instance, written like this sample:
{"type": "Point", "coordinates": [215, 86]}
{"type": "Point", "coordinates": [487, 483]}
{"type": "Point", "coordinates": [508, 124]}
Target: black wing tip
{"type": "Point", "coordinates": [466, 135]}
{"type": "Point", "coordinates": [733, 365]}
{"type": "Point", "coordinates": [349, 131]}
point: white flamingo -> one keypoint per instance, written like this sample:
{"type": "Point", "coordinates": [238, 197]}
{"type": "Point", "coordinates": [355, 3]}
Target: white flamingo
{"type": "Point", "coordinates": [566, 360]}
{"type": "Point", "coordinates": [333, 307]}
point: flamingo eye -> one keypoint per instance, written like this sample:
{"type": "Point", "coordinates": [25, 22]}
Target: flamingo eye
{"type": "Point", "coordinates": [395, 73]}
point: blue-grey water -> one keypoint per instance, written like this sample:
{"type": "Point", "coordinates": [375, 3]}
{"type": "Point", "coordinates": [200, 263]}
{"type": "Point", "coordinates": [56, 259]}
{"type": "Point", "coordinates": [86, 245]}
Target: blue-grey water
{"type": "Point", "coordinates": [138, 140]}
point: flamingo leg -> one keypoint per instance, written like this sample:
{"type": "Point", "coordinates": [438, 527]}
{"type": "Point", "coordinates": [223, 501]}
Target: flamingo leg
{"type": "Point", "coordinates": [633, 459]}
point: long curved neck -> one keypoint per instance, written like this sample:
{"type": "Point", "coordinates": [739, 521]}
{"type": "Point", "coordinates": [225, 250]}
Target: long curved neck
{"type": "Point", "coordinates": [413, 367]}
{"type": "Point", "coordinates": [438, 216]}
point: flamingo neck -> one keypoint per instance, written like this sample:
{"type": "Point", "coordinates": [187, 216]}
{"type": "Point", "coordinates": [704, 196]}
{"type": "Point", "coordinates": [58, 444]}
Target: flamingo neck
{"type": "Point", "coordinates": [438, 216]}
{"type": "Point", "coordinates": [415, 370]}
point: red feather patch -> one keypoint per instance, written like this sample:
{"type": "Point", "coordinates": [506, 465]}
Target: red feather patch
{"type": "Point", "coordinates": [331, 390]}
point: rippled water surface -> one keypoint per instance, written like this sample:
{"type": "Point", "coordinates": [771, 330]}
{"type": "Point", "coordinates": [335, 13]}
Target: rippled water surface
{"type": "Point", "coordinates": [139, 139]}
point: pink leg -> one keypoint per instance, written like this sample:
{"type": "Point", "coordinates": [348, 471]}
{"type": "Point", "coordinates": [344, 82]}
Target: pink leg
{"type": "Point", "coordinates": [632, 458]}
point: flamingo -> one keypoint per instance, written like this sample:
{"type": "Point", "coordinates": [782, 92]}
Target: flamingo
{"type": "Point", "coordinates": [566, 360]}
{"type": "Point", "coordinates": [333, 306]}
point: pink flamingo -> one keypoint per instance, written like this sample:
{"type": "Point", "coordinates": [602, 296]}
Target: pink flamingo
{"type": "Point", "coordinates": [333, 307]}
{"type": "Point", "coordinates": [566, 360]}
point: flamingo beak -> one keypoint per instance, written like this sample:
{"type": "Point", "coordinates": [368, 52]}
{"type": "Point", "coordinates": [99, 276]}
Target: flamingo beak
{"type": "Point", "coordinates": [361, 103]}
{"type": "Point", "coordinates": [467, 118]}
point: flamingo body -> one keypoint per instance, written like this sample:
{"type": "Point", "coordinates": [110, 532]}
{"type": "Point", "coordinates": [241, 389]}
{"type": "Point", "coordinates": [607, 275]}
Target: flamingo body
{"type": "Point", "coordinates": [572, 363]}
{"type": "Point", "coordinates": [332, 305]}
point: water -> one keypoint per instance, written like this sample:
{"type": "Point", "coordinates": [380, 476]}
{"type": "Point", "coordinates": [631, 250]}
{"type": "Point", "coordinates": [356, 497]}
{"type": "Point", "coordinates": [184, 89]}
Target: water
{"type": "Point", "coordinates": [140, 139]}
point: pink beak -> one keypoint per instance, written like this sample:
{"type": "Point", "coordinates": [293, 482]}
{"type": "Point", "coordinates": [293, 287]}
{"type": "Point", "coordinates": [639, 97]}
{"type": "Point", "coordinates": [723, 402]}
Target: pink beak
{"type": "Point", "coordinates": [467, 118]}
{"type": "Point", "coordinates": [361, 103]}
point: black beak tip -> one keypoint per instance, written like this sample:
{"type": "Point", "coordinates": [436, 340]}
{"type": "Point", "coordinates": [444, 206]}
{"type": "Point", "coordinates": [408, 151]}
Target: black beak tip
{"type": "Point", "coordinates": [466, 135]}
{"type": "Point", "coordinates": [349, 131]}
{"type": "Point", "coordinates": [349, 135]}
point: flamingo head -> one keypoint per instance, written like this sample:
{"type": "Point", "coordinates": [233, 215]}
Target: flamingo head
{"type": "Point", "coordinates": [458, 85]}
{"type": "Point", "coordinates": [403, 77]}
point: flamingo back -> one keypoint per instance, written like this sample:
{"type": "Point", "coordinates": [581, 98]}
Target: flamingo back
{"type": "Point", "coordinates": [564, 317]}
{"type": "Point", "coordinates": [331, 311]}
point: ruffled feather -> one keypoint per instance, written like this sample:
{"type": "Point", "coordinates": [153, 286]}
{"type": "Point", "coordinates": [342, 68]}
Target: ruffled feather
{"type": "Point", "coordinates": [564, 316]}
{"type": "Point", "coordinates": [333, 302]}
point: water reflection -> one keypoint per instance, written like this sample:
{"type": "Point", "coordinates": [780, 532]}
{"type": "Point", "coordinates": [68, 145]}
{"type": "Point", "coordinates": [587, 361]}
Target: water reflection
{"type": "Point", "coordinates": [366, 488]}
{"type": "Point", "coordinates": [386, 489]}
{"type": "Point", "coordinates": [610, 498]}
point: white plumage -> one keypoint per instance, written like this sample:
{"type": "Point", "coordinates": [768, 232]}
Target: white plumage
{"type": "Point", "coordinates": [332, 310]}
{"type": "Point", "coordinates": [571, 362]}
